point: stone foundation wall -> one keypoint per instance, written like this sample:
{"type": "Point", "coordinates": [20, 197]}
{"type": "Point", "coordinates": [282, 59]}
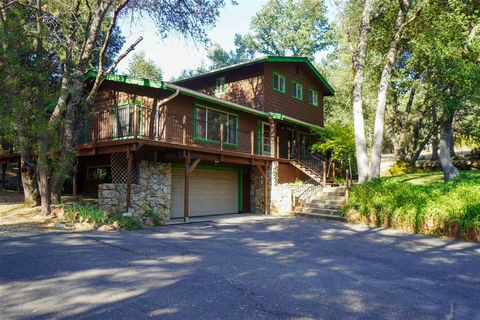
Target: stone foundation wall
{"type": "Point", "coordinates": [151, 194]}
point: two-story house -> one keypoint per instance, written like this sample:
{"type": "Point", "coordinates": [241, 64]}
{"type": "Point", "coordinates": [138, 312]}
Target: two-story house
{"type": "Point", "coordinates": [227, 141]}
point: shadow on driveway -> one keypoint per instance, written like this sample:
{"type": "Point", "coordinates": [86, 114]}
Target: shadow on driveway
{"type": "Point", "coordinates": [254, 269]}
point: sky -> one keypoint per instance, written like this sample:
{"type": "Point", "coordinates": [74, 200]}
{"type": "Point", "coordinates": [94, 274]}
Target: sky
{"type": "Point", "coordinates": [174, 53]}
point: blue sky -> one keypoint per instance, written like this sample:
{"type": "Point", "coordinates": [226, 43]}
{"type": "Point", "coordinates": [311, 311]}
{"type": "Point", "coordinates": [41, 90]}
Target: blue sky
{"type": "Point", "coordinates": [174, 53]}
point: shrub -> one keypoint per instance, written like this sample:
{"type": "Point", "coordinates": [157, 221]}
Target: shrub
{"type": "Point", "coordinates": [432, 208]}
{"type": "Point", "coordinates": [84, 212]}
{"type": "Point", "coordinates": [127, 223]}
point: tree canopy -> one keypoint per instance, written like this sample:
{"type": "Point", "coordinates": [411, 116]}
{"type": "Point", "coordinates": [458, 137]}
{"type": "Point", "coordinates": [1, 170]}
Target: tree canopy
{"type": "Point", "coordinates": [141, 67]}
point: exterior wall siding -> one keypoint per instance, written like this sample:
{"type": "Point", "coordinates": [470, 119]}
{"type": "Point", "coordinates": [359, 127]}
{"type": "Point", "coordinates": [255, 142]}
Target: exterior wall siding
{"type": "Point", "coordinates": [285, 103]}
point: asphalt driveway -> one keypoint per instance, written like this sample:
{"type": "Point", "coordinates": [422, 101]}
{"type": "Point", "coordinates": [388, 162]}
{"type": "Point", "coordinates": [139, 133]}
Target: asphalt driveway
{"type": "Point", "coordinates": [269, 268]}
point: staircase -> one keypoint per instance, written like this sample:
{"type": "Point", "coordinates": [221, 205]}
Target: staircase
{"type": "Point", "coordinates": [326, 204]}
{"type": "Point", "coordinates": [317, 176]}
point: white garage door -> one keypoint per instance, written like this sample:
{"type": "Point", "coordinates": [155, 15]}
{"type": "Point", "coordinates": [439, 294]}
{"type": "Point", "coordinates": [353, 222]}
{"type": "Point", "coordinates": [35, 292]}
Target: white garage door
{"type": "Point", "coordinates": [211, 192]}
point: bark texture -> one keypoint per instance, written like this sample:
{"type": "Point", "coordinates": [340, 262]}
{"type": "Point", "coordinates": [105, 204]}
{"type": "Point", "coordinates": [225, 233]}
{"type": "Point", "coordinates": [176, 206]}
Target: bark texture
{"type": "Point", "coordinates": [449, 170]}
{"type": "Point", "coordinates": [382, 91]}
{"type": "Point", "coordinates": [357, 95]}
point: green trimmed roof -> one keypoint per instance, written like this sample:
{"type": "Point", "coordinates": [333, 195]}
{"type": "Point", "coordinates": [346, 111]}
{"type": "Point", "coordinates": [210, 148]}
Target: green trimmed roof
{"type": "Point", "coordinates": [304, 60]}
{"type": "Point", "coordinates": [197, 95]}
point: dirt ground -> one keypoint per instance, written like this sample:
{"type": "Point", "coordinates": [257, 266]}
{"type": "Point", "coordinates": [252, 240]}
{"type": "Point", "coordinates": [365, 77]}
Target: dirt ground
{"type": "Point", "coordinates": [16, 218]}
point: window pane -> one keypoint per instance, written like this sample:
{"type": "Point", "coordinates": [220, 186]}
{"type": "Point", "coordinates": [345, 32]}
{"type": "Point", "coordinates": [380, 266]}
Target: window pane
{"type": "Point", "coordinates": [201, 124]}
{"type": "Point", "coordinates": [232, 129]}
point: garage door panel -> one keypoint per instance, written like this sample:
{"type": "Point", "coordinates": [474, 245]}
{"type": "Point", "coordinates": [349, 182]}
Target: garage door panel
{"type": "Point", "coordinates": [211, 192]}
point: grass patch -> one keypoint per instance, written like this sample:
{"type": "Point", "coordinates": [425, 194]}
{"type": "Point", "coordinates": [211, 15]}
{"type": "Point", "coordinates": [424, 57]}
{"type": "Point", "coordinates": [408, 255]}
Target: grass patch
{"type": "Point", "coordinates": [420, 203]}
{"type": "Point", "coordinates": [127, 223]}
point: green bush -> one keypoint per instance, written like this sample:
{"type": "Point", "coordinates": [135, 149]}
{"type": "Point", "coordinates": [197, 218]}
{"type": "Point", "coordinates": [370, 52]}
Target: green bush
{"type": "Point", "coordinates": [85, 212]}
{"type": "Point", "coordinates": [127, 223]}
{"type": "Point", "coordinates": [431, 208]}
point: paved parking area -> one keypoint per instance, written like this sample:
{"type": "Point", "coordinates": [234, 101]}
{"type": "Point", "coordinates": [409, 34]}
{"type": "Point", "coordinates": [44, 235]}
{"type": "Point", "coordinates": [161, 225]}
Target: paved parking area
{"type": "Point", "coordinates": [243, 268]}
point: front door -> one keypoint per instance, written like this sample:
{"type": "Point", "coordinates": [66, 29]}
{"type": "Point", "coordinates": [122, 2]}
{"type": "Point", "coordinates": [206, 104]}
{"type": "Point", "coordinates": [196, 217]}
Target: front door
{"type": "Point", "coordinates": [292, 140]}
{"type": "Point", "coordinates": [266, 139]}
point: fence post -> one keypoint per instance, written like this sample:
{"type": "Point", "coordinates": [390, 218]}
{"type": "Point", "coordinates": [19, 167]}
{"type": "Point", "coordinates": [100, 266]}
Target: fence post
{"type": "Point", "coordinates": [222, 136]}
{"type": "Point", "coordinates": [252, 142]}
{"type": "Point", "coordinates": [333, 173]}
{"type": "Point", "coordinates": [324, 174]}
{"type": "Point", "coordinates": [184, 129]}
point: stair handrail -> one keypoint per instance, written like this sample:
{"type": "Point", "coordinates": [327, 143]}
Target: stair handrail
{"type": "Point", "coordinates": [301, 193]}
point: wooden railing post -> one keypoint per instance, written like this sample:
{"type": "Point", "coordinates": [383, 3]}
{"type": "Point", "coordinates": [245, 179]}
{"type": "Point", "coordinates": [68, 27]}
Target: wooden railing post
{"type": "Point", "coordinates": [95, 127]}
{"type": "Point", "coordinates": [252, 142]}
{"type": "Point", "coordinates": [324, 173]}
{"type": "Point", "coordinates": [135, 121]}
{"type": "Point", "coordinates": [333, 173]}
{"type": "Point", "coordinates": [278, 147]}
{"type": "Point", "coordinates": [184, 129]}
{"type": "Point", "coordinates": [289, 147]}
{"type": "Point", "coordinates": [222, 136]}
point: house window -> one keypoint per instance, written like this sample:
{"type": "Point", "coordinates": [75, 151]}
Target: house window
{"type": "Point", "coordinates": [100, 174]}
{"type": "Point", "coordinates": [312, 97]}
{"type": "Point", "coordinates": [297, 90]}
{"type": "Point", "coordinates": [266, 142]}
{"type": "Point", "coordinates": [278, 82]}
{"type": "Point", "coordinates": [220, 86]}
{"type": "Point", "coordinates": [208, 122]}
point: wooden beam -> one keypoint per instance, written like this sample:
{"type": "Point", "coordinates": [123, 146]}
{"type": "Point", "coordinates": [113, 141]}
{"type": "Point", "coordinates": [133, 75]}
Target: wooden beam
{"type": "Point", "coordinates": [186, 191]}
{"type": "Point", "coordinates": [19, 174]}
{"type": "Point", "coordinates": [184, 129]}
{"type": "Point", "coordinates": [74, 185]}
{"type": "Point", "coordinates": [4, 174]}
{"type": "Point", "coordinates": [222, 136]}
{"type": "Point", "coordinates": [252, 142]}
{"type": "Point", "coordinates": [129, 179]}
{"type": "Point", "coordinates": [193, 166]}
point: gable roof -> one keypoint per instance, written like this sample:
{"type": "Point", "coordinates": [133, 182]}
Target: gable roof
{"type": "Point", "coordinates": [264, 59]}
{"type": "Point", "coordinates": [197, 95]}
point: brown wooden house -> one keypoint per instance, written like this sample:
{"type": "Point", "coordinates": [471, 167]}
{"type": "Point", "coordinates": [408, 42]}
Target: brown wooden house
{"type": "Point", "coordinates": [226, 141]}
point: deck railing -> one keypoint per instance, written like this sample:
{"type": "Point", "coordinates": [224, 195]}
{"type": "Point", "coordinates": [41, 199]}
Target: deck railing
{"type": "Point", "coordinates": [135, 122]}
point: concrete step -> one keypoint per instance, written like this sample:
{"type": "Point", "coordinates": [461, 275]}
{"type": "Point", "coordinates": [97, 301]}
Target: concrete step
{"type": "Point", "coordinates": [334, 212]}
{"type": "Point", "coordinates": [336, 206]}
{"type": "Point", "coordinates": [322, 216]}
{"type": "Point", "coordinates": [333, 201]}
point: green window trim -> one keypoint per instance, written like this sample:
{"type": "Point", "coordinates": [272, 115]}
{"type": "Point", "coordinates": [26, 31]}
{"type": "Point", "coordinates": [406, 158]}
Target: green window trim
{"type": "Point", "coordinates": [200, 139]}
{"type": "Point", "coordinates": [280, 76]}
{"type": "Point", "coordinates": [311, 103]}
{"type": "Point", "coordinates": [294, 93]}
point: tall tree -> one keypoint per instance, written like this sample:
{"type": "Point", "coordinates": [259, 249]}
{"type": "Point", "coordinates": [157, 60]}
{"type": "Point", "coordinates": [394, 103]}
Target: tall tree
{"type": "Point", "coordinates": [141, 67]}
{"type": "Point", "coordinates": [290, 28]}
{"type": "Point", "coordinates": [359, 58]}
{"type": "Point", "coordinates": [404, 8]}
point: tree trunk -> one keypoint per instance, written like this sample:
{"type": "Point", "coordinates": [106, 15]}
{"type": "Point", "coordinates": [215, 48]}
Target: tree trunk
{"type": "Point", "coordinates": [382, 92]}
{"type": "Point", "coordinates": [29, 181]}
{"type": "Point", "coordinates": [449, 170]}
{"type": "Point", "coordinates": [434, 135]}
{"type": "Point", "coordinates": [358, 67]}
{"type": "Point", "coordinates": [43, 175]}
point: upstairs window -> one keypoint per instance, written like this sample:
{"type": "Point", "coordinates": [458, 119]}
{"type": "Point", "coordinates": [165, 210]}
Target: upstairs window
{"type": "Point", "coordinates": [312, 97]}
{"type": "Point", "coordinates": [278, 82]}
{"type": "Point", "coordinates": [297, 90]}
{"type": "Point", "coordinates": [220, 86]}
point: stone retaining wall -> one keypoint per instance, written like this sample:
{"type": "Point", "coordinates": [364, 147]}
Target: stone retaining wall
{"type": "Point", "coordinates": [151, 194]}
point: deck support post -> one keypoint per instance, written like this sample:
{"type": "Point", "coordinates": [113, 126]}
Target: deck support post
{"type": "Point", "coordinates": [289, 149]}
{"type": "Point", "coordinates": [19, 174]}
{"type": "Point", "coordinates": [188, 171]}
{"type": "Point", "coordinates": [135, 121]}
{"type": "Point", "coordinates": [129, 178]}
{"type": "Point", "coordinates": [333, 173]}
{"type": "Point", "coordinates": [4, 174]}
{"type": "Point", "coordinates": [273, 135]}
{"type": "Point", "coordinates": [263, 172]}
{"type": "Point", "coordinates": [74, 185]}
